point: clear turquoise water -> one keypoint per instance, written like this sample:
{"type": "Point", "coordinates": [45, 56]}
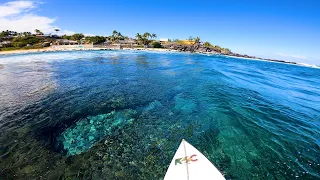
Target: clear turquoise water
{"type": "Point", "coordinates": [122, 114]}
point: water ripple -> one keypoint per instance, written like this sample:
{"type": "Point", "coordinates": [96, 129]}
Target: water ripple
{"type": "Point", "coordinates": [252, 119]}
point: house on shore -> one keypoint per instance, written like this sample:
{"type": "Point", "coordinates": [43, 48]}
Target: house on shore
{"type": "Point", "coordinates": [7, 38]}
{"type": "Point", "coordinates": [65, 42]}
{"type": "Point", "coordinates": [163, 40]}
{"type": "Point", "coordinates": [127, 42]}
{"type": "Point", "coordinates": [5, 44]}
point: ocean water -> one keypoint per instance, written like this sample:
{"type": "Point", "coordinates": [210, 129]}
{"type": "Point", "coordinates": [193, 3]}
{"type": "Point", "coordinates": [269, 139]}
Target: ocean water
{"type": "Point", "coordinates": [122, 115]}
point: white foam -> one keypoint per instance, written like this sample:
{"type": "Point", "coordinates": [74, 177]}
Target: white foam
{"type": "Point", "coordinates": [309, 65]}
{"type": "Point", "coordinates": [60, 56]}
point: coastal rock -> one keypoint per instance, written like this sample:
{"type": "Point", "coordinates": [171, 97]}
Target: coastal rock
{"type": "Point", "coordinates": [200, 48]}
{"type": "Point", "coordinates": [195, 48]}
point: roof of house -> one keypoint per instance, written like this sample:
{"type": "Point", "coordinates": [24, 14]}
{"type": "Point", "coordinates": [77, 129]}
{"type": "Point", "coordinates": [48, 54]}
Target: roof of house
{"type": "Point", "coordinates": [164, 39]}
{"type": "Point", "coordinates": [5, 42]}
{"type": "Point", "coordinates": [67, 41]}
{"type": "Point", "coordinates": [127, 41]}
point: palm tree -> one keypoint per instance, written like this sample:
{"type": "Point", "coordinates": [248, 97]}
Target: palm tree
{"type": "Point", "coordinates": [154, 35]}
{"type": "Point", "coordinates": [38, 32]}
{"type": "Point", "coordinates": [27, 33]}
{"type": "Point", "coordinates": [138, 37]}
{"type": "Point", "coordinates": [145, 38]}
{"type": "Point", "coordinates": [56, 30]}
{"type": "Point", "coordinates": [116, 36]}
{"type": "Point", "coordinates": [114, 32]}
{"type": "Point", "coordinates": [146, 35]}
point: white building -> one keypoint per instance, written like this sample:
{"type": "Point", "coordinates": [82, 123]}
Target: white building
{"type": "Point", "coordinates": [164, 40]}
{"type": "Point", "coordinates": [3, 43]}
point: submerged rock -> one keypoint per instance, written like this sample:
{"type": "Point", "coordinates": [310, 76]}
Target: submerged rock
{"type": "Point", "coordinates": [153, 105]}
{"type": "Point", "coordinates": [87, 132]}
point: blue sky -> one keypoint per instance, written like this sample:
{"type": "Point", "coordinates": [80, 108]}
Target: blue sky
{"type": "Point", "coordinates": [281, 29]}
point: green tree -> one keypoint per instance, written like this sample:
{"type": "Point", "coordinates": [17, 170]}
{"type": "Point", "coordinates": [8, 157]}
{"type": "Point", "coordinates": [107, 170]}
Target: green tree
{"type": "Point", "coordinates": [146, 38]}
{"type": "Point", "coordinates": [38, 32]}
{"type": "Point", "coordinates": [116, 37]}
{"type": "Point", "coordinates": [217, 48]}
{"type": "Point", "coordinates": [156, 44]}
{"type": "Point", "coordinates": [14, 33]}
{"type": "Point", "coordinates": [95, 39]}
{"type": "Point", "coordinates": [66, 37]}
{"type": "Point", "coordinates": [153, 35]}
{"type": "Point", "coordinates": [8, 33]}
{"type": "Point", "coordinates": [207, 44]}
{"type": "Point", "coordinates": [225, 51]}
{"type": "Point", "coordinates": [77, 37]}
{"type": "Point", "coordinates": [197, 40]}
{"type": "Point", "coordinates": [27, 33]}
{"type": "Point", "coordinates": [4, 34]}
{"type": "Point", "coordinates": [25, 40]}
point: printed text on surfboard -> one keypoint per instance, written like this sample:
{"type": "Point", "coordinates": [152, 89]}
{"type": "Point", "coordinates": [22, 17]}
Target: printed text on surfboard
{"type": "Point", "coordinates": [186, 159]}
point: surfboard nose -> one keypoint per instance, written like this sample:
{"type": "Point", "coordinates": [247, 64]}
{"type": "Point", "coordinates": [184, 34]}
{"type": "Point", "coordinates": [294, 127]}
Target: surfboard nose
{"type": "Point", "coordinates": [190, 164]}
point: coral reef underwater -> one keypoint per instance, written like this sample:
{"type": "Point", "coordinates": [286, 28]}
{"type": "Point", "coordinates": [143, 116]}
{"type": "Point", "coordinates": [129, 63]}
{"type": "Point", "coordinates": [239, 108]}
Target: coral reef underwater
{"type": "Point", "coordinates": [86, 132]}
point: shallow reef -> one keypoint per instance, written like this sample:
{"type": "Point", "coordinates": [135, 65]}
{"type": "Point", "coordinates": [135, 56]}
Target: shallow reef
{"type": "Point", "coordinates": [86, 132]}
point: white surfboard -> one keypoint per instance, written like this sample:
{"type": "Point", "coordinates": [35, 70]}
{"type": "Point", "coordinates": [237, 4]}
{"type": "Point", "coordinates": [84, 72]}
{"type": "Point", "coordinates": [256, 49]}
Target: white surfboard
{"type": "Point", "coordinates": [190, 164]}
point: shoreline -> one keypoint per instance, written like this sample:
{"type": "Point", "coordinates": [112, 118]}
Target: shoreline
{"type": "Point", "coordinates": [50, 49]}
{"type": "Point", "coordinates": [26, 51]}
